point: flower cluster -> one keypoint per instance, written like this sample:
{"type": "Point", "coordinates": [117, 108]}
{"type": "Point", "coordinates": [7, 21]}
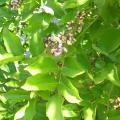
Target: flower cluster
{"type": "Point", "coordinates": [75, 27]}
{"type": "Point", "coordinates": [14, 4]}
{"type": "Point", "coordinates": [117, 102]}
{"type": "Point", "coordinates": [55, 43]}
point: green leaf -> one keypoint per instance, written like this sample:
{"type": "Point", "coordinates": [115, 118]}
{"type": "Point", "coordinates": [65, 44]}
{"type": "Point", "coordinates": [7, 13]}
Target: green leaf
{"type": "Point", "coordinates": [27, 112]}
{"type": "Point", "coordinates": [108, 9]}
{"type": "Point", "coordinates": [101, 74]}
{"type": "Point", "coordinates": [69, 91]}
{"type": "Point", "coordinates": [108, 39]}
{"type": "Point", "coordinates": [12, 83]}
{"type": "Point", "coordinates": [113, 75]}
{"type": "Point", "coordinates": [2, 108]}
{"type": "Point", "coordinates": [2, 2]}
{"type": "Point", "coordinates": [40, 82]}
{"type": "Point", "coordinates": [12, 43]}
{"type": "Point", "coordinates": [72, 68]}
{"type": "Point", "coordinates": [54, 108]}
{"type": "Point", "coordinates": [36, 41]}
{"type": "Point", "coordinates": [4, 12]}
{"type": "Point", "coordinates": [2, 50]}
{"type": "Point", "coordinates": [68, 17]}
{"type": "Point", "coordinates": [57, 7]}
{"type": "Point", "coordinates": [30, 110]}
{"type": "Point", "coordinates": [42, 21]}
{"type": "Point", "coordinates": [89, 113]}
{"type": "Point", "coordinates": [68, 113]}
{"type": "Point", "coordinates": [5, 58]}
{"type": "Point", "coordinates": [70, 110]}
{"type": "Point", "coordinates": [20, 113]}
{"type": "Point", "coordinates": [114, 115]}
{"type": "Point", "coordinates": [40, 111]}
{"type": "Point", "coordinates": [44, 64]}
{"type": "Point", "coordinates": [16, 95]}
{"type": "Point", "coordinates": [83, 60]}
{"type": "Point", "coordinates": [45, 95]}
{"type": "Point", "coordinates": [74, 3]}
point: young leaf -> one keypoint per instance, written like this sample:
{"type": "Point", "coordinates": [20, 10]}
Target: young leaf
{"type": "Point", "coordinates": [40, 82]}
{"type": "Point", "coordinates": [12, 43]}
{"type": "Point", "coordinates": [54, 108]}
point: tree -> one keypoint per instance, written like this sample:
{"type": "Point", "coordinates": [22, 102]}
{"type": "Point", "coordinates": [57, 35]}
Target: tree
{"type": "Point", "coordinates": [59, 59]}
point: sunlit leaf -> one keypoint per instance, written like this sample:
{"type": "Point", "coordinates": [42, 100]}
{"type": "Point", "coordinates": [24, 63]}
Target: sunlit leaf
{"type": "Point", "coordinates": [43, 64]}
{"type": "Point", "coordinates": [54, 108]}
{"type": "Point", "coordinates": [74, 3]}
{"type": "Point", "coordinates": [30, 110]}
{"type": "Point", "coordinates": [7, 57]}
{"type": "Point", "coordinates": [70, 111]}
{"type": "Point", "coordinates": [89, 113]}
{"type": "Point", "coordinates": [12, 43]}
{"type": "Point", "coordinates": [40, 82]}
{"type": "Point", "coordinates": [113, 75]}
{"type": "Point", "coordinates": [69, 91]}
{"type": "Point", "coordinates": [20, 113]}
{"type": "Point", "coordinates": [42, 21]}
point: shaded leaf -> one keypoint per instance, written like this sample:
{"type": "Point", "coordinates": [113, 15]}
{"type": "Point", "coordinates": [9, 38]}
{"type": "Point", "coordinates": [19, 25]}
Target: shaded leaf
{"type": "Point", "coordinates": [16, 95]}
{"type": "Point", "coordinates": [36, 41]}
{"type": "Point", "coordinates": [108, 40]}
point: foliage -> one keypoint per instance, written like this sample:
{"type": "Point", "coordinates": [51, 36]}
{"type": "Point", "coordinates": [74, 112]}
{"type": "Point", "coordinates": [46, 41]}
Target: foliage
{"type": "Point", "coordinates": [59, 59]}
